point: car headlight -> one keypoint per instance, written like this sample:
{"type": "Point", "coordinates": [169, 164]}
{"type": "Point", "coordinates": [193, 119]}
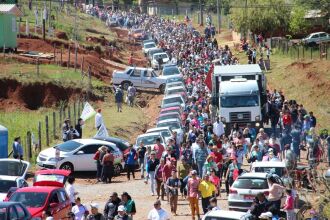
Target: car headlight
{"type": "Point", "coordinates": [53, 159]}
{"type": "Point", "coordinates": [223, 119]}
{"type": "Point", "coordinates": [257, 118]}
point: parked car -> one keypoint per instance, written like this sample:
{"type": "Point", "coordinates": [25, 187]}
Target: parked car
{"type": "Point", "coordinates": [77, 155]}
{"type": "Point", "coordinates": [139, 34]}
{"type": "Point", "coordinates": [12, 174]}
{"type": "Point", "coordinates": [177, 109]}
{"type": "Point", "coordinates": [111, 22]}
{"type": "Point", "coordinates": [174, 84]}
{"type": "Point", "coordinates": [170, 70]}
{"type": "Point", "coordinates": [171, 115]}
{"type": "Point", "coordinates": [246, 187]}
{"type": "Point", "coordinates": [174, 125]}
{"type": "Point", "coordinates": [174, 78]}
{"type": "Point", "coordinates": [176, 98]}
{"type": "Point", "coordinates": [159, 56]}
{"type": "Point", "coordinates": [177, 90]}
{"type": "Point", "coordinates": [224, 215]}
{"type": "Point", "coordinates": [47, 193]}
{"type": "Point", "coordinates": [148, 41]}
{"type": "Point", "coordinates": [272, 167]}
{"type": "Point", "coordinates": [149, 139]}
{"type": "Point", "coordinates": [166, 132]}
{"type": "Point", "coordinates": [316, 38]}
{"type": "Point", "coordinates": [151, 52]}
{"type": "Point", "coordinates": [148, 46]}
{"type": "Point", "coordinates": [139, 77]}
{"type": "Point", "coordinates": [13, 210]}
{"type": "Point", "coordinates": [122, 144]}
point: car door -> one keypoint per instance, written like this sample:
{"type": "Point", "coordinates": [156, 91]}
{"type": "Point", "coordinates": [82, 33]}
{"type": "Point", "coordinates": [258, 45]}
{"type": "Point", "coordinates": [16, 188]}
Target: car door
{"type": "Point", "coordinates": [83, 158]}
{"type": "Point", "coordinates": [135, 77]}
{"type": "Point", "coordinates": [316, 38]}
{"type": "Point", "coordinates": [148, 79]}
{"type": "Point", "coordinates": [65, 204]}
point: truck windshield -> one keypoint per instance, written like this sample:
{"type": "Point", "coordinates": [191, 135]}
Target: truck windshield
{"type": "Point", "coordinates": [239, 101]}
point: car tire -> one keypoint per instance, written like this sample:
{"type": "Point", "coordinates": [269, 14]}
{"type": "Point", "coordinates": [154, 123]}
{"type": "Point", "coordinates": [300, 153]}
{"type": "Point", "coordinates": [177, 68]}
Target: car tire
{"type": "Point", "coordinates": [117, 169]}
{"type": "Point", "coordinates": [126, 84]}
{"type": "Point", "coordinates": [162, 88]}
{"type": "Point", "coordinates": [67, 166]}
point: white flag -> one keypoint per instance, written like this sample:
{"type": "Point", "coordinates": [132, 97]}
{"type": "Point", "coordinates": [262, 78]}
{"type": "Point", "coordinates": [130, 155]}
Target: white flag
{"type": "Point", "coordinates": [87, 112]}
{"type": "Point", "coordinates": [102, 132]}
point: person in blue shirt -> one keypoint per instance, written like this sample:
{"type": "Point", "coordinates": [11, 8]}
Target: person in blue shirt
{"type": "Point", "coordinates": [17, 149]}
{"type": "Point", "coordinates": [130, 162]}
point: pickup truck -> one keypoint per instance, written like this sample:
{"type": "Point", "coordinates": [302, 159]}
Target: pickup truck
{"type": "Point", "coordinates": [140, 78]}
{"type": "Point", "coordinates": [316, 38]}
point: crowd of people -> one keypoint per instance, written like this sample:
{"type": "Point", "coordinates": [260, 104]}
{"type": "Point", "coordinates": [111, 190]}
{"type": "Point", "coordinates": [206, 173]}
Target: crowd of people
{"type": "Point", "coordinates": [206, 162]}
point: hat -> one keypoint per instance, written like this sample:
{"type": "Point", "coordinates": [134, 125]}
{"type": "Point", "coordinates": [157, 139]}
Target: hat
{"type": "Point", "coordinates": [114, 194]}
{"type": "Point", "coordinates": [94, 205]}
{"type": "Point", "coordinates": [173, 159]}
{"type": "Point", "coordinates": [121, 208]}
{"type": "Point", "coordinates": [193, 172]}
{"type": "Point", "coordinates": [270, 150]}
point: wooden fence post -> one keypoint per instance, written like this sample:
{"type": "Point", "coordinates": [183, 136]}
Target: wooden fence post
{"type": "Point", "coordinates": [79, 108]}
{"type": "Point", "coordinates": [29, 145]}
{"type": "Point", "coordinates": [82, 66]}
{"type": "Point", "coordinates": [69, 56]}
{"type": "Point", "coordinates": [69, 112]}
{"type": "Point", "coordinates": [61, 61]}
{"type": "Point", "coordinates": [47, 130]}
{"type": "Point", "coordinates": [54, 125]}
{"type": "Point", "coordinates": [60, 117]}
{"type": "Point", "coordinates": [39, 136]}
{"type": "Point", "coordinates": [64, 113]}
{"type": "Point", "coordinates": [74, 112]}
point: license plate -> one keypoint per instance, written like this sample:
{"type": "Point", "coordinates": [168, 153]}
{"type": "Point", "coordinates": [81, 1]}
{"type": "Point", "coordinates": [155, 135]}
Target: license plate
{"type": "Point", "coordinates": [249, 197]}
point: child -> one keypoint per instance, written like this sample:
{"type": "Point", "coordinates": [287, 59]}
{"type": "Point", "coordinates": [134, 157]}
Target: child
{"type": "Point", "coordinates": [213, 203]}
{"type": "Point", "coordinates": [294, 194]}
{"type": "Point", "coordinates": [289, 205]}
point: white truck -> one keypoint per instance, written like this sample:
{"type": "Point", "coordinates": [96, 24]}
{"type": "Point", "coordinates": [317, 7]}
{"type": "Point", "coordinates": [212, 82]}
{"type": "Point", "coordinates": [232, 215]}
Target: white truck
{"type": "Point", "coordinates": [239, 92]}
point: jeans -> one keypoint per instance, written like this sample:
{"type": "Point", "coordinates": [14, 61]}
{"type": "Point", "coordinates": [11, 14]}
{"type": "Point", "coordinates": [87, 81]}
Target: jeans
{"type": "Point", "coordinates": [295, 148]}
{"type": "Point", "coordinates": [130, 169]}
{"type": "Point", "coordinates": [200, 166]}
{"type": "Point", "coordinates": [152, 181]}
{"type": "Point", "coordinates": [205, 204]}
{"type": "Point", "coordinates": [193, 202]}
{"type": "Point", "coordinates": [142, 166]}
{"type": "Point", "coordinates": [290, 214]}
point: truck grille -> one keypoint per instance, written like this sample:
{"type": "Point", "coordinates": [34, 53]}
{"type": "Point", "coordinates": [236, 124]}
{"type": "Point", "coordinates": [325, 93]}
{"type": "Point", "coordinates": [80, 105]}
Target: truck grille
{"type": "Point", "coordinates": [240, 117]}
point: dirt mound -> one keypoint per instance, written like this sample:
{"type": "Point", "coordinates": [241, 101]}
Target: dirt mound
{"type": "Point", "coordinates": [101, 40]}
{"type": "Point", "coordinates": [62, 35]}
{"type": "Point", "coordinates": [300, 64]}
{"type": "Point", "coordinates": [34, 45]}
{"type": "Point", "coordinates": [36, 95]}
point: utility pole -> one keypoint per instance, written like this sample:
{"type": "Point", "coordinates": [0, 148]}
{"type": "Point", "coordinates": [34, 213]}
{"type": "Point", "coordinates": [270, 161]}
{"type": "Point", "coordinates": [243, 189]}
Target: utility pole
{"type": "Point", "coordinates": [219, 15]}
{"type": "Point", "coordinates": [201, 11]}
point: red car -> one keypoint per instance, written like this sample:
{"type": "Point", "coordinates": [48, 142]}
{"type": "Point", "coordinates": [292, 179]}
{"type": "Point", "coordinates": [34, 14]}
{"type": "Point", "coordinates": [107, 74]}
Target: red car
{"type": "Point", "coordinates": [170, 110]}
{"type": "Point", "coordinates": [47, 193]}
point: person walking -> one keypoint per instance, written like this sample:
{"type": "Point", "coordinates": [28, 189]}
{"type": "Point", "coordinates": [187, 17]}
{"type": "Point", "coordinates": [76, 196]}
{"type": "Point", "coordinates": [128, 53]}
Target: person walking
{"type": "Point", "coordinates": [159, 148]}
{"type": "Point", "coordinates": [17, 149]}
{"type": "Point", "coordinates": [95, 215]}
{"type": "Point", "coordinates": [183, 170]}
{"type": "Point", "coordinates": [65, 130]}
{"type": "Point", "coordinates": [159, 179]}
{"type": "Point", "coordinates": [289, 205]}
{"type": "Point", "coordinates": [70, 190]}
{"type": "Point", "coordinates": [107, 166]}
{"type": "Point", "coordinates": [111, 207]}
{"type": "Point", "coordinates": [193, 185]}
{"type": "Point", "coordinates": [173, 185]}
{"type": "Point", "coordinates": [119, 96]}
{"type": "Point", "coordinates": [98, 156]}
{"type": "Point", "coordinates": [275, 192]}
{"type": "Point", "coordinates": [129, 204]}
{"type": "Point", "coordinates": [158, 213]}
{"type": "Point", "coordinates": [207, 190]}
{"type": "Point", "coordinates": [141, 158]}
{"type": "Point", "coordinates": [131, 158]}
{"type": "Point", "coordinates": [78, 127]}
{"type": "Point", "coordinates": [218, 128]}
{"type": "Point", "coordinates": [200, 156]}
{"type": "Point", "coordinates": [98, 119]}
{"type": "Point", "coordinates": [79, 210]}
{"type": "Point", "coordinates": [151, 168]}
{"type": "Point", "coordinates": [167, 172]}
{"type": "Point", "coordinates": [131, 93]}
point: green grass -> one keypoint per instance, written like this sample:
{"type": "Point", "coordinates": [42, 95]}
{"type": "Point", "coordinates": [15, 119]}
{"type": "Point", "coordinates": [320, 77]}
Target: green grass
{"type": "Point", "coordinates": [27, 73]}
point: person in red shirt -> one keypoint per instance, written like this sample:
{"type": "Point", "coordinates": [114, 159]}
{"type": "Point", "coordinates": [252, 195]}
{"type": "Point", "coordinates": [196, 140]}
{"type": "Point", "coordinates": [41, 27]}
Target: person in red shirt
{"type": "Point", "coordinates": [287, 121]}
{"type": "Point", "coordinates": [289, 205]}
{"type": "Point", "coordinates": [217, 158]}
{"type": "Point", "coordinates": [159, 148]}
{"type": "Point", "coordinates": [130, 60]}
{"type": "Point", "coordinates": [167, 172]}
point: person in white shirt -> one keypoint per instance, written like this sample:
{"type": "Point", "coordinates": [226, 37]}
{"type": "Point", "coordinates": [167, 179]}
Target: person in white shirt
{"type": "Point", "coordinates": [213, 204]}
{"type": "Point", "coordinates": [98, 119]}
{"type": "Point", "coordinates": [70, 190]}
{"type": "Point", "coordinates": [157, 213]}
{"type": "Point", "coordinates": [218, 128]}
{"type": "Point", "coordinates": [79, 210]}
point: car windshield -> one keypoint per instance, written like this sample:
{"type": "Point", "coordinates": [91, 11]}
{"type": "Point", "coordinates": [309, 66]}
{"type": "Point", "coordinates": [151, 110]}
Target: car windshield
{"type": "Point", "coordinates": [171, 70]}
{"type": "Point", "coordinates": [172, 100]}
{"type": "Point", "coordinates": [175, 91]}
{"type": "Point", "coordinates": [174, 79]}
{"type": "Point", "coordinates": [152, 52]}
{"type": "Point", "coordinates": [30, 199]}
{"type": "Point", "coordinates": [148, 140]}
{"type": "Point", "coordinates": [164, 117]}
{"type": "Point", "coordinates": [166, 133]}
{"type": "Point", "coordinates": [250, 183]}
{"type": "Point", "coordinates": [160, 56]}
{"type": "Point", "coordinates": [68, 146]}
{"type": "Point", "coordinates": [5, 185]}
{"type": "Point", "coordinates": [149, 45]}
{"type": "Point", "coordinates": [273, 170]}
{"type": "Point", "coordinates": [172, 125]}
{"type": "Point", "coordinates": [239, 101]}
{"type": "Point", "coordinates": [12, 168]}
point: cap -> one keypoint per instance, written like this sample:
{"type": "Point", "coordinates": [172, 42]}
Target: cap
{"type": "Point", "coordinates": [193, 172]}
{"type": "Point", "coordinates": [270, 150]}
{"type": "Point", "coordinates": [121, 208]}
{"type": "Point", "coordinates": [94, 205]}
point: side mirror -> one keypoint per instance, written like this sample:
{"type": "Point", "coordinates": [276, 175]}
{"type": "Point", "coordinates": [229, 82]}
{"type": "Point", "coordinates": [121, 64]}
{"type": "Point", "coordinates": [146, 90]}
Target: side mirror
{"type": "Point", "coordinates": [80, 152]}
{"type": "Point", "coordinates": [53, 205]}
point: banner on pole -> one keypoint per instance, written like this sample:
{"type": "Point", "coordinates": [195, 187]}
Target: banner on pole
{"type": "Point", "coordinates": [102, 132]}
{"type": "Point", "coordinates": [87, 112]}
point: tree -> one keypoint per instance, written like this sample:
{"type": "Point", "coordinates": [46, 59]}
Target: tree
{"type": "Point", "coordinates": [298, 23]}
{"type": "Point", "coordinates": [260, 16]}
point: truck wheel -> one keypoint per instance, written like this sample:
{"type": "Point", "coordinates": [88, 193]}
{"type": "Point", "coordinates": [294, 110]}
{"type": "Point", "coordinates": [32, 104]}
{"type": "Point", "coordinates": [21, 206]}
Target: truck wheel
{"type": "Point", "coordinates": [162, 88]}
{"type": "Point", "coordinates": [125, 85]}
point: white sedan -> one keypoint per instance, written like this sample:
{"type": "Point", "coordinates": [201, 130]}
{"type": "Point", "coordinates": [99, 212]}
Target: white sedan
{"type": "Point", "coordinates": [224, 215]}
{"type": "Point", "coordinates": [77, 155]}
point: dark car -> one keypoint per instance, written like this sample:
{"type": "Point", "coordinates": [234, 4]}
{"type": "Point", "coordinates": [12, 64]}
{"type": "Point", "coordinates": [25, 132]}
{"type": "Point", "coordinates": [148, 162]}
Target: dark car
{"type": "Point", "coordinates": [13, 210]}
{"type": "Point", "coordinates": [123, 145]}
